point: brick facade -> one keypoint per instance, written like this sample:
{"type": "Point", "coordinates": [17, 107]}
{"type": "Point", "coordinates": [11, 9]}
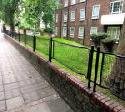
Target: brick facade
{"type": "Point", "coordinates": [88, 22]}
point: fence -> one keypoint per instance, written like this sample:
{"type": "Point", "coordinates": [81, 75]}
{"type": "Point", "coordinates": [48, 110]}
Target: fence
{"type": "Point", "coordinates": [90, 63]}
{"type": "Point", "coordinates": [93, 64]}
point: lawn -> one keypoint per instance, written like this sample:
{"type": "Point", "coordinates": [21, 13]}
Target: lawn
{"type": "Point", "coordinates": [71, 55]}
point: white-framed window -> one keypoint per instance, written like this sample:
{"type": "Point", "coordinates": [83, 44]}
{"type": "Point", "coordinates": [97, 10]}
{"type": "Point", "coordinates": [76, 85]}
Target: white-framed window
{"type": "Point", "coordinates": [93, 30]}
{"type": "Point", "coordinates": [56, 18]}
{"type": "Point", "coordinates": [65, 3]}
{"type": "Point", "coordinates": [56, 30]}
{"type": "Point", "coordinates": [72, 31]}
{"type": "Point", "coordinates": [81, 32]}
{"type": "Point", "coordinates": [73, 2]}
{"type": "Point", "coordinates": [72, 16]}
{"type": "Point", "coordinates": [64, 31]}
{"type": "Point", "coordinates": [95, 11]}
{"type": "Point", "coordinates": [114, 32]}
{"type": "Point", "coordinates": [65, 16]}
{"type": "Point", "coordinates": [82, 14]}
{"type": "Point", "coordinates": [116, 7]}
{"type": "Point", "coordinates": [82, 0]}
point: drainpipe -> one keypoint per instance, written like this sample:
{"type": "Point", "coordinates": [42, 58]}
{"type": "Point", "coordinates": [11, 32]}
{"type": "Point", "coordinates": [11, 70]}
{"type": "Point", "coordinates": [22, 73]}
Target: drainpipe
{"type": "Point", "coordinates": [68, 19]}
{"type": "Point", "coordinates": [86, 20]}
{"type": "Point", "coordinates": [60, 25]}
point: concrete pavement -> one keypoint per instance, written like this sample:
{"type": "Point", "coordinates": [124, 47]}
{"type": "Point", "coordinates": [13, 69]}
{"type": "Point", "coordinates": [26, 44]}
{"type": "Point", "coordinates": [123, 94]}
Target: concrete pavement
{"type": "Point", "coordinates": [22, 88]}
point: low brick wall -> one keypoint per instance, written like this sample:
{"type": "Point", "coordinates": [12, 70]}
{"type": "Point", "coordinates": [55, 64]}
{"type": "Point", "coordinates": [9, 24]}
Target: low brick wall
{"type": "Point", "coordinates": [74, 92]}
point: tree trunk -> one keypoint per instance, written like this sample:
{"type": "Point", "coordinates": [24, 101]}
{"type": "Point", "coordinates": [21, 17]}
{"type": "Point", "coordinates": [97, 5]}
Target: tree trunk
{"type": "Point", "coordinates": [24, 32]}
{"type": "Point", "coordinates": [117, 77]}
{"type": "Point", "coordinates": [45, 25]}
{"type": "Point", "coordinates": [12, 26]}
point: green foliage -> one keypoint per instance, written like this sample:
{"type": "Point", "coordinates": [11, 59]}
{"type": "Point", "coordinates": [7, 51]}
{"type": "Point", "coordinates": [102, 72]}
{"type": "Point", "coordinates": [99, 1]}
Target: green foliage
{"type": "Point", "coordinates": [35, 11]}
{"type": "Point", "coordinates": [109, 40]}
{"type": "Point", "coordinates": [28, 13]}
{"type": "Point", "coordinates": [48, 30]}
{"type": "Point", "coordinates": [99, 36]}
{"type": "Point", "coordinates": [96, 38]}
{"type": "Point", "coordinates": [8, 9]}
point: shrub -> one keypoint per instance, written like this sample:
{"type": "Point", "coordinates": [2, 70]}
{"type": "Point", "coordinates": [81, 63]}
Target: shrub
{"type": "Point", "coordinates": [108, 40]}
{"type": "Point", "coordinates": [108, 44]}
{"type": "Point", "coordinates": [99, 36]}
{"type": "Point", "coordinates": [96, 38]}
{"type": "Point", "coordinates": [48, 30]}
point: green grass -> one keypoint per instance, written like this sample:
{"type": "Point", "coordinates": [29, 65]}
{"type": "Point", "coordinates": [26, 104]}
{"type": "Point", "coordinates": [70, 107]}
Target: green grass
{"type": "Point", "coordinates": [42, 45]}
{"type": "Point", "coordinates": [72, 55]}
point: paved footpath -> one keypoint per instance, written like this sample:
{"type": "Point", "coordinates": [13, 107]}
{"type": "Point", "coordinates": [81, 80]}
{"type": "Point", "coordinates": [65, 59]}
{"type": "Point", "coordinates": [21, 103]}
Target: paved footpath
{"type": "Point", "coordinates": [22, 89]}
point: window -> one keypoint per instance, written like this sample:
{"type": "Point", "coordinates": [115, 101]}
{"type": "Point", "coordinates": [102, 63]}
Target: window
{"type": "Point", "coordinates": [73, 2]}
{"type": "Point", "coordinates": [82, 14]}
{"type": "Point", "coordinates": [56, 30]}
{"type": "Point", "coordinates": [95, 12]}
{"type": "Point", "coordinates": [72, 31]}
{"type": "Point", "coordinates": [82, 0]}
{"type": "Point", "coordinates": [81, 32]}
{"type": "Point", "coordinates": [56, 18]}
{"type": "Point", "coordinates": [64, 31]}
{"type": "Point", "coordinates": [116, 7]}
{"type": "Point", "coordinates": [72, 16]}
{"type": "Point", "coordinates": [65, 3]}
{"type": "Point", "coordinates": [114, 32]}
{"type": "Point", "coordinates": [93, 30]}
{"type": "Point", "coordinates": [65, 17]}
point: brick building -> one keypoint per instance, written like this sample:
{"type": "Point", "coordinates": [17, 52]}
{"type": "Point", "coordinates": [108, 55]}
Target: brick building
{"type": "Point", "coordinates": [77, 19]}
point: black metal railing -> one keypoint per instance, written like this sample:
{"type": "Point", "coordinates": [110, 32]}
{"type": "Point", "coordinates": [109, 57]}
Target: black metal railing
{"type": "Point", "coordinates": [96, 65]}
{"type": "Point", "coordinates": [90, 63]}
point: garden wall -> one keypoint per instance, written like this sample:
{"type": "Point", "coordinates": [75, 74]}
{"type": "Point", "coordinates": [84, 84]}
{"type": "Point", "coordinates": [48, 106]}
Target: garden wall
{"type": "Point", "coordinates": [74, 92]}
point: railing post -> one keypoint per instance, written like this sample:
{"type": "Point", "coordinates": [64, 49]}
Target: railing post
{"type": "Point", "coordinates": [90, 65]}
{"type": "Point", "coordinates": [96, 68]}
{"type": "Point", "coordinates": [34, 43]}
{"type": "Point", "coordinates": [102, 66]}
{"type": "Point", "coordinates": [25, 39]}
{"type": "Point", "coordinates": [19, 36]}
{"type": "Point", "coordinates": [53, 49]}
{"type": "Point", "coordinates": [50, 49]}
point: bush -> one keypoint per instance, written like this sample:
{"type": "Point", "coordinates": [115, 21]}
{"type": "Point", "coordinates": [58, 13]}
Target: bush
{"type": "Point", "coordinates": [108, 40]}
{"type": "Point", "coordinates": [96, 38]}
{"type": "Point", "coordinates": [99, 36]}
{"type": "Point", "coordinates": [108, 44]}
{"type": "Point", "coordinates": [48, 30]}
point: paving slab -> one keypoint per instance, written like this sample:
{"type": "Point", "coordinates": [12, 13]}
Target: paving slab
{"type": "Point", "coordinates": [22, 88]}
{"type": "Point", "coordinates": [14, 103]}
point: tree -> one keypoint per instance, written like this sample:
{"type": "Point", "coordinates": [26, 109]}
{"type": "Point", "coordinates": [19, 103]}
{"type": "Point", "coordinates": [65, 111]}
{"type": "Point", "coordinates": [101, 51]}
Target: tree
{"type": "Point", "coordinates": [117, 77]}
{"type": "Point", "coordinates": [34, 11]}
{"type": "Point", "coordinates": [48, 12]}
{"type": "Point", "coordinates": [8, 8]}
{"type": "Point", "coordinates": [28, 13]}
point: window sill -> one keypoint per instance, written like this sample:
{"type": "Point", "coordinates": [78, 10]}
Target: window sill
{"type": "Point", "coordinates": [65, 6]}
{"type": "Point", "coordinates": [115, 12]}
{"type": "Point", "coordinates": [80, 37]}
{"type": "Point", "coordinates": [72, 20]}
{"type": "Point", "coordinates": [95, 18]}
{"type": "Point", "coordinates": [71, 35]}
{"type": "Point", "coordinates": [82, 20]}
